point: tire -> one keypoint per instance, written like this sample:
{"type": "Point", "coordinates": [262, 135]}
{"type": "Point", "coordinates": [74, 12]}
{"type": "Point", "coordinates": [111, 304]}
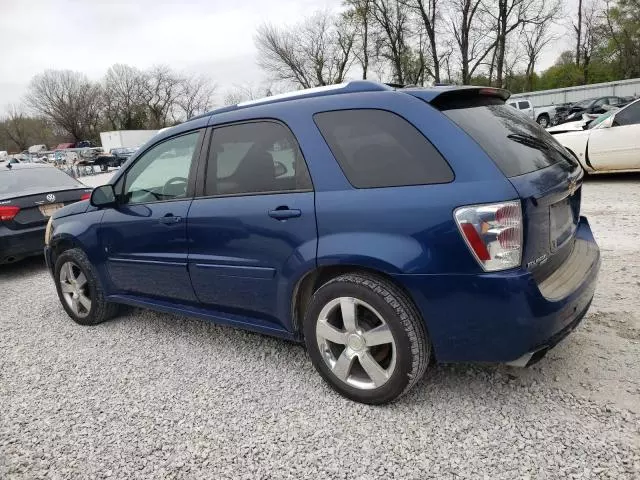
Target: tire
{"type": "Point", "coordinates": [88, 286]}
{"type": "Point", "coordinates": [341, 359]}
{"type": "Point", "coordinates": [543, 120]}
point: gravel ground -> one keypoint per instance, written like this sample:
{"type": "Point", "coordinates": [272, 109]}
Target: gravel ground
{"type": "Point", "coordinates": [151, 395]}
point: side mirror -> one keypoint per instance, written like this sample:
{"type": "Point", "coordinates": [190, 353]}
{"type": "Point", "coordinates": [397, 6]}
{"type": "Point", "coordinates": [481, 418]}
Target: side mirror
{"type": "Point", "coordinates": [280, 169]}
{"type": "Point", "coordinates": [104, 196]}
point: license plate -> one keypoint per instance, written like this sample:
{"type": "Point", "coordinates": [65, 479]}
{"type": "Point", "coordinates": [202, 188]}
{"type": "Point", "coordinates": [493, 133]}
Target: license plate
{"type": "Point", "coordinates": [562, 224]}
{"type": "Point", "coordinates": [49, 209]}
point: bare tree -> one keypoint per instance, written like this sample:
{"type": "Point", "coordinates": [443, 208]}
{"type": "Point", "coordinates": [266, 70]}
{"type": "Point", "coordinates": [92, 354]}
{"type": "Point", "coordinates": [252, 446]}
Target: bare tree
{"type": "Point", "coordinates": [512, 15]}
{"type": "Point", "coordinates": [594, 33]}
{"type": "Point", "coordinates": [429, 14]}
{"type": "Point", "coordinates": [397, 43]}
{"type": "Point", "coordinates": [124, 102]}
{"type": "Point", "coordinates": [392, 19]}
{"type": "Point", "coordinates": [535, 38]}
{"type": "Point", "coordinates": [15, 127]}
{"type": "Point", "coordinates": [317, 52]}
{"type": "Point", "coordinates": [578, 30]}
{"type": "Point", "coordinates": [160, 93]}
{"type": "Point", "coordinates": [359, 16]}
{"type": "Point", "coordinates": [69, 100]}
{"type": "Point", "coordinates": [472, 35]}
{"type": "Point", "coordinates": [196, 96]}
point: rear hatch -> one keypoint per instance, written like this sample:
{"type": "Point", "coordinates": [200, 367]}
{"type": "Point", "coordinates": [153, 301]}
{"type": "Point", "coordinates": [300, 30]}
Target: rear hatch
{"type": "Point", "coordinates": [546, 176]}
{"type": "Point", "coordinates": [35, 209]}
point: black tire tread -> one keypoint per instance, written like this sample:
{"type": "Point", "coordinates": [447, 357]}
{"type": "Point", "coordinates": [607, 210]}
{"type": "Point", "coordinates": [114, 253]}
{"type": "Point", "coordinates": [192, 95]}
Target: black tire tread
{"type": "Point", "coordinates": [103, 310]}
{"type": "Point", "coordinates": [406, 312]}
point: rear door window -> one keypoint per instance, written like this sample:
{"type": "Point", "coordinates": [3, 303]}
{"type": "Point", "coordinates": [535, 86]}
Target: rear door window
{"type": "Point", "coordinates": [255, 157]}
{"type": "Point", "coordinates": [516, 144]}
{"type": "Point", "coordinates": [523, 105]}
{"type": "Point", "coordinates": [377, 148]}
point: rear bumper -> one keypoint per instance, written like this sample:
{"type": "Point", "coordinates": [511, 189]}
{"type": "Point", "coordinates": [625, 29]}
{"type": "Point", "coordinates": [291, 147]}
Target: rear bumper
{"type": "Point", "coordinates": [18, 244]}
{"type": "Point", "coordinates": [503, 317]}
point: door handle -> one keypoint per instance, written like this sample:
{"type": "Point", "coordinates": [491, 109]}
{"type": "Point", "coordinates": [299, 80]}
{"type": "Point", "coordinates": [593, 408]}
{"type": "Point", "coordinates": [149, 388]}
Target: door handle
{"type": "Point", "coordinates": [170, 219]}
{"type": "Point", "coordinates": [282, 213]}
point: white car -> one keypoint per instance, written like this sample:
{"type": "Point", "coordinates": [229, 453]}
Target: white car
{"type": "Point", "coordinates": [609, 144]}
{"type": "Point", "coordinates": [541, 115]}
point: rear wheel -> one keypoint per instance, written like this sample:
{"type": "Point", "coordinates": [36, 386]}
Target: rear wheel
{"type": "Point", "coordinates": [365, 338]}
{"type": "Point", "coordinates": [79, 289]}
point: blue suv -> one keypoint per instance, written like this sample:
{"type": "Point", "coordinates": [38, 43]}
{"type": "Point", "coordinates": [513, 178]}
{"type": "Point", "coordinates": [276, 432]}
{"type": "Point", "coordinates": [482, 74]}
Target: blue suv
{"type": "Point", "coordinates": [385, 228]}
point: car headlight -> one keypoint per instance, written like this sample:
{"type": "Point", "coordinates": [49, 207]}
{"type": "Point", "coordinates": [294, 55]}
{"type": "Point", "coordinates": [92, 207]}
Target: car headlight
{"type": "Point", "coordinates": [48, 231]}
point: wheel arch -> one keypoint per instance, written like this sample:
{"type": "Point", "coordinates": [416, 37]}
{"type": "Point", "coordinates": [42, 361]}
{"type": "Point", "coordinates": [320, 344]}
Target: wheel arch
{"type": "Point", "coordinates": [543, 114]}
{"type": "Point", "coordinates": [309, 283]}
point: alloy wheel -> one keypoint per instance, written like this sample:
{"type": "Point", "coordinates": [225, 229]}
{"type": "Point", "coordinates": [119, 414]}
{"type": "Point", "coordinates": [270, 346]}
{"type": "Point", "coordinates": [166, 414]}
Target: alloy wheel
{"type": "Point", "coordinates": [356, 343]}
{"type": "Point", "coordinates": [75, 289]}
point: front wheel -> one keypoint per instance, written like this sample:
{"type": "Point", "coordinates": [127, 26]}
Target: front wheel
{"type": "Point", "coordinates": [365, 338]}
{"type": "Point", "coordinates": [79, 289]}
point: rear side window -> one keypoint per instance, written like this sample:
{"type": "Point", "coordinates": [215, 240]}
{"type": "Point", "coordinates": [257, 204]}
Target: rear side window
{"type": "Point", "coordinates": [376, 148]}
{"type": "Point", "coordinates": [523, 105]}
{"type": "Point", "coordinates": [516, 144]}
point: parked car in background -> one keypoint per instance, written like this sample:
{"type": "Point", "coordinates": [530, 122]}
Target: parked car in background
{"type": "Point", "coordinates": [8, 161]}
{"type": "Point", "coordinates": [542, 115]}
{"type": "Point", "coordinates": [608, 144]}
{"type": "Point", "coordinates": [33, 149]}
{"type": "Point", "coordinates": [382, 227]}
{"type": "Point", "coordinates": [121, 155]}
{"type": "Point", "coordinates": [592, 106]}
{"type": "Point", "coordinates": [64, 146]}
{"type": "Point", "coordinates": [29, 194]}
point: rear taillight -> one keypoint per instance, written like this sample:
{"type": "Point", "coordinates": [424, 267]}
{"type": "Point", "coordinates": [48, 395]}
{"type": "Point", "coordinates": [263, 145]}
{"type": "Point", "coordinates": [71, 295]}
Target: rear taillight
{"type": "Point", "coordinates": [8, 212]}
{"type": "Point", "coordinates": [85, 196]}
{"type": "Point", "coordinates": [493, 233]}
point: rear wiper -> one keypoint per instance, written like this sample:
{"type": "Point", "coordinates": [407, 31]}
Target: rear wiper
{"type": "Point", "coordinates": [528, 140]}
{"type": "Point", "coordinates": [533, 142]}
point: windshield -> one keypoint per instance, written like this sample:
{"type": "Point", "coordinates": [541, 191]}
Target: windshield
{"type": "Point", "coordinates": [598, 120]}
{"type": "Point", "coordinates": [45, 178]}
{"type": "Point", "coordinates": [516, 144]}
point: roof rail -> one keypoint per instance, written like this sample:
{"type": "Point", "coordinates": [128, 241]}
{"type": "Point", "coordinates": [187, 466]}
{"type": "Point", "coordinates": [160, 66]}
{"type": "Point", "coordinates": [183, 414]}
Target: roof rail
{"type": "Point", "coordinates": [344, 87]}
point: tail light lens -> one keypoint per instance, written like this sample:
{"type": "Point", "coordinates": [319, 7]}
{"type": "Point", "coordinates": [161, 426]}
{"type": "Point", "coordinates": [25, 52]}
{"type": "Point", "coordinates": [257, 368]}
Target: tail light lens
{"type": "Point", "coordinates": [85, 196]}
{"type": "Point", "coordinates": [493, 233]}
{"type": "Point", "coordinates": [8, 212]}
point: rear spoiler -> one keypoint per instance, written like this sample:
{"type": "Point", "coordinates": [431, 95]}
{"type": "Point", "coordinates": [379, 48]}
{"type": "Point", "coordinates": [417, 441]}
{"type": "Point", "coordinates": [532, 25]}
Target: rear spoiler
{"type": "Point", "coordinates": [447, 98]}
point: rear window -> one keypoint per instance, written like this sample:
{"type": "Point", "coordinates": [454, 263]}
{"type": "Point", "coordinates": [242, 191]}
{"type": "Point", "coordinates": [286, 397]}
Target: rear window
{"type": "Point", "coordinates": [516, 144]}
{"type": "Point", "coordinates": [18, 179]}
{"type": "Point", "coordinates": [376, 148]}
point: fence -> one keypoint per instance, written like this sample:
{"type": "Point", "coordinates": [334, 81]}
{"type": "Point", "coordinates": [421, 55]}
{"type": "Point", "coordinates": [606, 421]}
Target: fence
{"type": "Point", "coordinates": [620, 88]}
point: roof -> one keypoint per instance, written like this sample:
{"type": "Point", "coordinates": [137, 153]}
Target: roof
{"type": "Point", "coordinates": [356, 86]}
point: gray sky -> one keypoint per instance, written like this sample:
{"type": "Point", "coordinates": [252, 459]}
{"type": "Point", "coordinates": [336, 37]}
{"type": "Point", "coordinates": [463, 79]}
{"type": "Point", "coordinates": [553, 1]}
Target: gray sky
{"type": "Point", "coordinates": [212, 37]}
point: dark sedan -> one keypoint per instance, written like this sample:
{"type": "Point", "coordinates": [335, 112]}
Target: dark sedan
{"type": "Point", "coordinates": [29, 194]}
{"type": "Point", "coordinates": [590, 106]}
